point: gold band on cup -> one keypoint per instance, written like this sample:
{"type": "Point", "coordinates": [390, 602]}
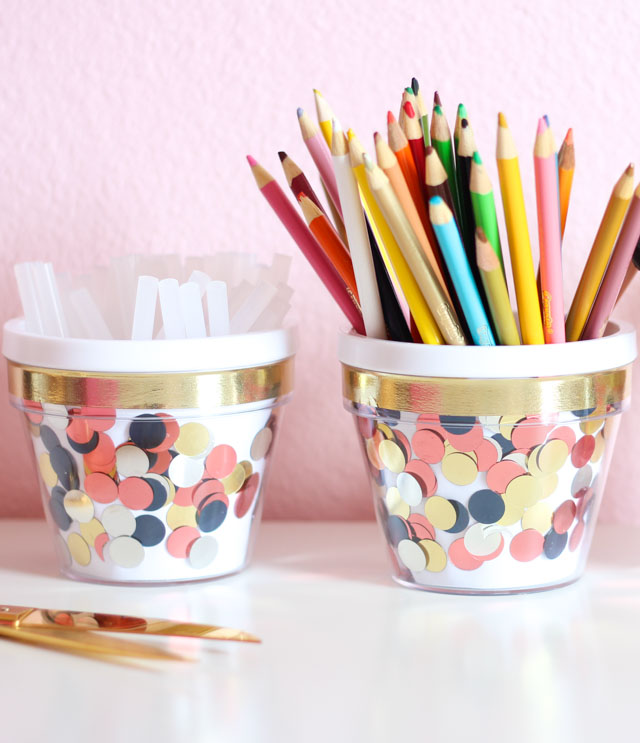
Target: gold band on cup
{"type": "Point", "coordinates": [463, 396]}
{"type": "Point", "coordinates": [210, 389]}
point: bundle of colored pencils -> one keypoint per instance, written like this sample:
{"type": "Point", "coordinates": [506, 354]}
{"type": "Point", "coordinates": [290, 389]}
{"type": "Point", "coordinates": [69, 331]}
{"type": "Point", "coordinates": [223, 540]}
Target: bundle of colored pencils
{"type": "Point", "coordinates": [410, 247]}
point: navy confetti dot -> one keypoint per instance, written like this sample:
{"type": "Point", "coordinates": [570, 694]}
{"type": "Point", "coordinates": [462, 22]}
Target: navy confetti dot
{"type": "Point", "coordinates": [486, 506]}
{"type": "Point", "coordinates": [554, 543]}
{"type": "Point", "coordinates": [149, 530]}
{"type": "Point", "coordinates": [462, 518]}
{"type": "Point", "coordinates": [212, 515]}
{"type": "Point", "coordinates": [147, 431]}
{"type": "Point", "coordinates": [457, 424]}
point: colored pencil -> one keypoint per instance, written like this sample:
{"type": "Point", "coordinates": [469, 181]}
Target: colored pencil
{"type": "Point", "coordinates": [407, 95]}
{"type": "Point", "coordinates": [495, 287]}
{"type": "Point", "coordinates": [518, 236]}
{"type": "Point", "coordinates": [307, 243]}
{"type": "Point", "coordinates": [325, 116]}
{"type": "Point", "coordinates": [354, 222]}
{"type": "Point", "coordinates": [325, 233]}
{"type": "Point", "coordinates": [566, 169]}
{"type": "Point", "coordinates": [441, 142]}
{"type": "Point", "coordinates": [461, 114]}
{"type": "Point", "coordinates": [400, 148]}
{"type": "Point", "coordinates": [386, 241]}
{"type": "Point", "coordinates": [632, 271]}
{"type": "Point", "coordinates": [439, 306]}
{"type": "Point", "coordinates": [413, 133]}
{"type": "Point", "coordinates": [547, 200]}
{"type": "Point", "coordinates": [436, 181]}
{"type": "Point", "coordinates": [484, 206]}
{"type": "Point", "coordinates": [615, 273]}
{"type": "Point", "coordinates": [397, 326]}
{"type": "Point", "coordinates": [465, 148]}
{"type": "Point", "coordinates": [389, 164]}
{"type": "Point", "coordinates": [454, 254]}
{"type": "Point", "coordinates": [297, 180]}
{"type": "Point", "coordinates": [422, 111]}
{"type": "Point", "coordinates": [321, 155]}
{"type": "Point", "coordinates": [599, 256]}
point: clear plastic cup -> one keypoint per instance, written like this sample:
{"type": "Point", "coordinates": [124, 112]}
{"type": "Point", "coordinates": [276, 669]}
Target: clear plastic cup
{"type": "Point", "coordinates": [487, 465]}
{"type": "Point", "coordinates": [152, 456]}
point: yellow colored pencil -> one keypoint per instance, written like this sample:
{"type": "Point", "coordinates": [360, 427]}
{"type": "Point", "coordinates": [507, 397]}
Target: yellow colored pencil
{"type": "Point", "coordinates": [495, 288]}
{"type": "Point", "coordinates": [515, 215]}
{"type": "Point", "coordinates": [599, 256]}
{"type": "Point", "coordinates": [391, 250]}
{"type": "Point", "coordinates": [439, 305]}
{"type": "Point", "coordinates": [325, 116]}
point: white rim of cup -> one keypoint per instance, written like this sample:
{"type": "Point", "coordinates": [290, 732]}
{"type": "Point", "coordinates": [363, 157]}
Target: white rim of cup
{"type": "Point", "coordinates": [615, 349]}
{"type": "Point", "coordinates": [125, 356]}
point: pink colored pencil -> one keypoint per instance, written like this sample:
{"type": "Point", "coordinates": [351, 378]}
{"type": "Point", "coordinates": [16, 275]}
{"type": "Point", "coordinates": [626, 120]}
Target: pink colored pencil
{"type": "Point", "coordinates": [321, 155]}
{"type": "Point", "coordinates": [547, 197]}
{"type": "Point", "coordinates": [615, 273]}
{"type": "Point", "coordinates": [307, 243]}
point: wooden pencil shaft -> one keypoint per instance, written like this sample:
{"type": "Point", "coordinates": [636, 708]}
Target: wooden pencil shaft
{"type": "Point", "coordinates": [496, 291]}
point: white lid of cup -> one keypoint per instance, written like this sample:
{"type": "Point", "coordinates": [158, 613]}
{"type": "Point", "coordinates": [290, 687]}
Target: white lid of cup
{"type": "Point", "coordinates": [126, 356]}
{"type": "Point", "coordinates": [615, 349]}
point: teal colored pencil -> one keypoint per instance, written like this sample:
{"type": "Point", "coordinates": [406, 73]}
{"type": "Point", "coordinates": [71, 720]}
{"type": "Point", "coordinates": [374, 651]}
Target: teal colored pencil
{"type": "Point", "coordinates": [448, 237]}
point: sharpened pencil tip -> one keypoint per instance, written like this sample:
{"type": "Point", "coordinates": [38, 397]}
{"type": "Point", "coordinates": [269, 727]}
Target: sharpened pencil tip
{"type": "Point", "coordinates": [409, 90]}
{"type": "Point", "coordinates": [415, 85]}
{"type": "Point", "coordinates": [409, 110]}
{"type": "Point", "coordinates": [317, 92]}
{"type": "Point", "coordinates": [336, 126]}
{"type": "Point", "coordinates": [368, 162]}
{"type": "Point", "coordinates": [476, 158]}
{"type": "Point", "coordinates": [376, 137]}
{"type": "Point", "coordinates": [630, 169]}
{"type": "Point", "coordinates": [300, 112]}
{"type": "Point", "coordinates": [502, 120]}
{"type": "Point", "coordinates": [436, 201]}
{"type": "Point", "coordinates": [462, 111]}
{"type": "Point", "coordinates": [436, 99]}
{"type": "Point", "coordinates": [546, 118]}
{"type": "Point", "coordinates": [542, 126]}
{"type": "Point", "coordinates": [464, 123]}
{"type": "Point", "coordinates": [350, 134]}
{"type": "Point", "coordinates": [390, 118]}
{"type": "Point", "coordinates": [569, 138]}
{"type": "Point", "coordinates": [282, 156]}
{"type": "Point", "coordinates": [438, 110]}
{"type": "Point", "coordinates": [251, 160]}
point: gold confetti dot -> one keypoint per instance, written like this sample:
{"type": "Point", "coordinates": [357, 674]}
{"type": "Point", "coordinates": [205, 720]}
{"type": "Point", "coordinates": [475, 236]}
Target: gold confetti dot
{"type": "Point", "coordinates": [385, 430]}
{"type": "Point", "coordinates": [440, 512]}
{"type": "Point", "coordinates": [512, 514]}
{"type": "Point", "coordinates": [552, 456]}
{"type": "Point", "coordinates": [508, 423]}
{"type": "Point", "coordinates": [261, 444]}
{"type": "Point", "coordinates": [248, 468]}
{"type": "Point", "coordinates": [394, 503]}
{"type": "Point", "coordinates": [91, 530]}
{"type": "Point", "coordinates": [532, 462]}
{"type": "Point", "coordinates": [233, 482]}
{"type": "Point", "coordinates": [524, 491]}
{"type": "Point", "coordinates": [599, 448]}
{"type": "Point", "coordinates": [459, 468]}
{"type": "Point", "coordinates": [392, 456]}
{"type": "Point", "coordinates": [79, 549]}
{"type": "Point", "coordinates": [591, 426]}
{"type": "Point", "coordinates": [436, 556]}
{"type": "Point", "coordinates": [538, 517]}
{"type": "Point", "coordinates": [79, 506]}
{"type": "Point", "coordinates": [178, 516]}
{"type": "Point", "coordinates": [192, 440]}
{"type": "Point", "coordinates": [46, 470]}
{"type": "Point", "coordinates": [549, 484]}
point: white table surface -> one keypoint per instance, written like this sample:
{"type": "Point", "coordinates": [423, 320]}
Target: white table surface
{"type": "Point", "coordinates": [346, 655]}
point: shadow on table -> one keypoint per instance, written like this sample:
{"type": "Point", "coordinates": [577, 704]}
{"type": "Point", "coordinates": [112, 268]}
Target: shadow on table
{"type": "Point", "coordinates": [348, 551]}
{"type": "Point", "coordinates": [617, 546]}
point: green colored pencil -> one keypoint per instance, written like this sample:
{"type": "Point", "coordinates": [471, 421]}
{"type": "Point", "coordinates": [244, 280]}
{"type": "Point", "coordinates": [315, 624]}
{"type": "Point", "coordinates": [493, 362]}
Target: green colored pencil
{"type": "Point", "coordinates": [441, 142]}
{"type": "Point", "coordinates": [461, 114]}
{"type": "Point", "coordinates": [484, 206]}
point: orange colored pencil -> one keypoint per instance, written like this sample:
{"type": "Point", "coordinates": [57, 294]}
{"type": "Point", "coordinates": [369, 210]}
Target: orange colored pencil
{"type": "Point", "coordinates": [329, 240]}
{"type": "Point", "coordinates": [566, 167]}
{"type": "Point", "coordinates": [400, 146]}
{"type": "Point", "coordinates": [389, 164]}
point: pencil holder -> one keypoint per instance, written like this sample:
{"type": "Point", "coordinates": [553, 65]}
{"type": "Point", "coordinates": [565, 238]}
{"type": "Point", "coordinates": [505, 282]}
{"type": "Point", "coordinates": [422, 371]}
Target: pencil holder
{"type": "Point", "coordinates": [152, 456]}
{"type": "Point", "coordinates": [487, 465]}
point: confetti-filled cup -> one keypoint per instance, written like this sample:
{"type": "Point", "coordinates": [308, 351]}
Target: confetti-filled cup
{"type": "Point", "coordinates": [487, 465]}
{"type": "Point", "coordinates": [152, 455]}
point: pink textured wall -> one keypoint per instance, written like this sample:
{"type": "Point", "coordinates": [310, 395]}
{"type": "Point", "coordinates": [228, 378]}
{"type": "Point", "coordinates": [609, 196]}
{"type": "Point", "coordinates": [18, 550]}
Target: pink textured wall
{"type": "Point", "coordinates": [124, 125]}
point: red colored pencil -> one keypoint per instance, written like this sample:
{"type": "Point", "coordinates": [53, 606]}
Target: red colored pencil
{"type": "Point", "coordinates": [413, 132]}
{"type": "Point", "coordinates": [297, 180]}
{"type": "Point", "coordinates": [307, 243]}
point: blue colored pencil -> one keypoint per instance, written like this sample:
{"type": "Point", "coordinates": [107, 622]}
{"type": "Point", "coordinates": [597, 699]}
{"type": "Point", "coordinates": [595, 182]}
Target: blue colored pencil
{"type": "Point", "coordinates": [448, 237]}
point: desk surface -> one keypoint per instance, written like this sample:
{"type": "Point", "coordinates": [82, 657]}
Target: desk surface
{"type": "Point", "coordinates": [346, 654]}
